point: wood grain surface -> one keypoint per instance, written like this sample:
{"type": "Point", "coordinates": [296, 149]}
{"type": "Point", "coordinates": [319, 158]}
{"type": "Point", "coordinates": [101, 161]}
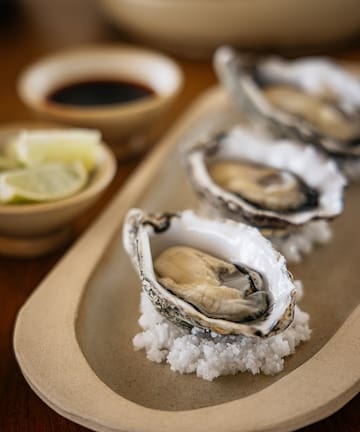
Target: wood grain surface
{"type": "Point", "coordinates": [36, 28]}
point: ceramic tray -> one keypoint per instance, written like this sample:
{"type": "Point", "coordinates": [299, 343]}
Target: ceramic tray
{"type": "Point", "coordinates": [73, 336]}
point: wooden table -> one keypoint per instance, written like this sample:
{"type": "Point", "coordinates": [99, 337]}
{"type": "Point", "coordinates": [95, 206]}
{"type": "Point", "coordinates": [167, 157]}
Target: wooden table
{"type": "Point", "coordinates": [38, 28]}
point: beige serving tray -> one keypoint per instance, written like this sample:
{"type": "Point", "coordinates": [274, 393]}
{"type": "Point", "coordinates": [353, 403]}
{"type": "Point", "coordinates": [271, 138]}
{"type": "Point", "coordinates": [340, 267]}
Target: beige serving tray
{"type": "Point", "coordinates": [73, 336]}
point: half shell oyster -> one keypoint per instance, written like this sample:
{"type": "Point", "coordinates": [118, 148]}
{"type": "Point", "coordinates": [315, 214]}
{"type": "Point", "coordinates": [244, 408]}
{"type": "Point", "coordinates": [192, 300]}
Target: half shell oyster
{"type": "Point", "coordinates": [311, 100]}
{"type": "Point", "coordinates": [217, 275]}
{"type": "Point", "coordinates": [275, 185]}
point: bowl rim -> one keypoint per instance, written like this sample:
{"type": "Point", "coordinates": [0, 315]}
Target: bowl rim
{"type": "Point", "coordinates": [73, 112]}
{"type": "Point", "coordinates": [100, 178]}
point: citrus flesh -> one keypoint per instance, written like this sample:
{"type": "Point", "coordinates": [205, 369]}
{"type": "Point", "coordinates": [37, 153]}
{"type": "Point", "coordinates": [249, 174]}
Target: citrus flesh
{"type": "Point", "coordinates": [42, 146]}
{"type": "Point", "coordinates": [48, 182]}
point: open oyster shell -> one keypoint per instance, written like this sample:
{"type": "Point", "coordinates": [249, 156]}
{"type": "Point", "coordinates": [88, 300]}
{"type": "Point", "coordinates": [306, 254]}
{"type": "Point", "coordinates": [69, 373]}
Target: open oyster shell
{"type": "Point", "coordinates": [312, 180]}
{"type": "Point", "coordinates": [311, 100]}
{"type": "Point", "coordinates": [147, 237]}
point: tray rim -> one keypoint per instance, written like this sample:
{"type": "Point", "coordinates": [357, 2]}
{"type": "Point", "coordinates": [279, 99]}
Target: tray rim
{"type": "Point", "coordinates": [333, 390]}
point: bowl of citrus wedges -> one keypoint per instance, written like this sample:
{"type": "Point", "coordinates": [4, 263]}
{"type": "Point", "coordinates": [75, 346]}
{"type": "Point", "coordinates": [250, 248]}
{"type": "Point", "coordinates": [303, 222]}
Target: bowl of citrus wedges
{"type": "Point", "coordinates": [48, 177]}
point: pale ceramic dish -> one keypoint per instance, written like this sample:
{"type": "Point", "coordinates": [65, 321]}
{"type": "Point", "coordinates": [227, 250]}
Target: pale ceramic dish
{"type": "Point", "coordinates": [28, 230]}
{"type": "Point", "coordinates": [124, 126]}
{"type": "Point", "coordinates": [197, 27]}
{"type": "Point", "coordinates": [73, 340]}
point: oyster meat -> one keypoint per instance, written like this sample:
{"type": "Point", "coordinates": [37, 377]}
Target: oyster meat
{"type": "Point", "coordinates": [323, 115]}
{"type": "Point", "coordinates": [263, 186]}
{"type": "Point", "coordinates": [312, 100]}
{"type": "Point", "coordinates": [205, 282]}
{"type": "Point", "coordinates": [217, 275]}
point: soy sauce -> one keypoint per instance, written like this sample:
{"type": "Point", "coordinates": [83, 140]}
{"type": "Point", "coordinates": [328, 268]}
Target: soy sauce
{"type": "Point", "coordinates": [99, 92]}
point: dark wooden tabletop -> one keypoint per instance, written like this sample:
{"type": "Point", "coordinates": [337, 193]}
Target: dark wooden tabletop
{"type": "Point", "coordinates": [36, 28]}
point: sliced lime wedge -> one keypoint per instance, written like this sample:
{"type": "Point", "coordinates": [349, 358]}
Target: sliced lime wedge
{"type": "Point", "coordinates": [48, 182]}
{"type": "Point", "coordinates": [42, 146]}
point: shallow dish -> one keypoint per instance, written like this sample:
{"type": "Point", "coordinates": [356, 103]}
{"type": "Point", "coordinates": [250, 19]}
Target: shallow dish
{"type": "Point", "coordinates": [73, 340]}
{"type": "Point", "coordinates": [197, 27]}
{"type": "Point", "coordinates": [124, 126]}
{"type": "Point", "coordinates": [35, 229]}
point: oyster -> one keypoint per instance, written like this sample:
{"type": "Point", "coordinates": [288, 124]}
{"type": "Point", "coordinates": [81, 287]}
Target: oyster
{"type": "Point", "coordinates": [311, 100]}
{"type": "Point", "coordinates": [217, 275]}
{"type": "Point", "coordinates": [275, 185]}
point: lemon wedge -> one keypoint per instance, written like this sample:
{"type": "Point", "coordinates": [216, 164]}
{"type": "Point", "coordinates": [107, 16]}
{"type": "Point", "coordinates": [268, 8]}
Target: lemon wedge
{"type": "Point", "coordinates": [48, 182]}
{"type": "Point", "coordinates": [42, 146]}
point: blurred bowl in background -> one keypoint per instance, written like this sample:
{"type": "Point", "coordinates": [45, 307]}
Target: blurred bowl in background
{"type": "Point", "coordinates": [196, 27]}
{"type": "Point", "coordinates": [123, 125]}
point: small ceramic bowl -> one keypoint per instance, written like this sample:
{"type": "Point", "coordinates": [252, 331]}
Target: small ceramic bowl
{"type": "Point", "coordinates": [28, 230]}
{"type": "Point", "coordinates": [123, 125]}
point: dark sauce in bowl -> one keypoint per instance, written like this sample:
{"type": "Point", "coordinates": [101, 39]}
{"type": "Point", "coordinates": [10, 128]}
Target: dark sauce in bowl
{"type": "Point", "coordinates": [99, 92]}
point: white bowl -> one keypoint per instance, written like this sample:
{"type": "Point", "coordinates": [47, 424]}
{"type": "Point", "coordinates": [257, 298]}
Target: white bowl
{"type": "Point", "coordinates": [197, 27]}
{"type": "Point", "coordinates": [117, 122]}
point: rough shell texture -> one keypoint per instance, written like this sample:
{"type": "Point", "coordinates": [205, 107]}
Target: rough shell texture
{"type": "Point", "coordinates": [239, 75]}
{"type": "Point", "coordinates": [313, 167]}
{"type": "Point", "coordinates": [146, 236]}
